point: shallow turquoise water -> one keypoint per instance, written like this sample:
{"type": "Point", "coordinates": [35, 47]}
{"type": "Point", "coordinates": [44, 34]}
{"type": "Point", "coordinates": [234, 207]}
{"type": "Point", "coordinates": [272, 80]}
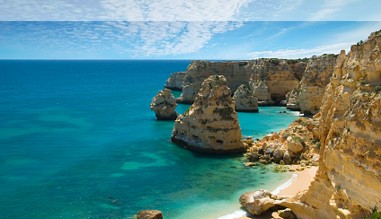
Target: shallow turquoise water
{"type": "Point", "coordinates": [78, 141]}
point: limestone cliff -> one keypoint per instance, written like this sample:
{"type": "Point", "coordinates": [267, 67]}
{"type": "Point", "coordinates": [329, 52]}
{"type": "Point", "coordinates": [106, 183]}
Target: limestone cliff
{"type": "Point", "coordinates": [348, 182]}
{"type": "Point", "coordinates": [175, 81]}
{"type": "Point", "coordinates": [211, 123]}
{"type": "Point", "coordinates": [307, 97]}
{"type": "Point", "coordinates": [244, 99]}
{"type": "Point", "coordinates": [164, 105]}
{"type": "Point", "coordinates": [281, 75]}
{"type": "Point", "coordinates": [350, 135]}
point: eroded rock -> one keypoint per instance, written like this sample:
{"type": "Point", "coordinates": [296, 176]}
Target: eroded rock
{"type": "Point", "coordinates": [175, 81]}
{"type": "Point", "coordinates": [244, 99]}
{"type": "Point", "coordinates": [164, 105]}
{"type": "Point", "coordinates": [149, 214]}
{"type": "Point", "coordinates": [211, 123]}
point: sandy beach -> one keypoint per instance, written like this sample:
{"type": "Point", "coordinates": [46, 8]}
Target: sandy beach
{"type": "Point", "coordinates": [299, 182]}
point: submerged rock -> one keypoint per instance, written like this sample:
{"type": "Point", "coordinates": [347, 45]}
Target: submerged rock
{"type": "Point", "coordinates": [150, 214]}
{"type": "Point", "coordinates": [244, 99]}
{"type": "Point", "coordinates": [164, 105]}
{"type": "Point", "coordinates": [211, 123]}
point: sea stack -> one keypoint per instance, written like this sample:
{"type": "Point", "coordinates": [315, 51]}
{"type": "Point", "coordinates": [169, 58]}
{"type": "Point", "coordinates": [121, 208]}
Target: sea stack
{"type": "Point", "coordinates": [211, 123]}
{"type": "Point", "coordinates": [244, 99]}
{"type": "Point", "coordinates": [261, 91]}
{"type": "Point", "coordinates": [164, 105]}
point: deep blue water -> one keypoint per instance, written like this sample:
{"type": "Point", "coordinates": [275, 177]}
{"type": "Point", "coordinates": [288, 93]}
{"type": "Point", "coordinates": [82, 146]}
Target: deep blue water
{"type": "Point", "coordinates": [78, 140]}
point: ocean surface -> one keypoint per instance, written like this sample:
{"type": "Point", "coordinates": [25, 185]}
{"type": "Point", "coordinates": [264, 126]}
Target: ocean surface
{"type": "Point", "coordinates": [78, 140]}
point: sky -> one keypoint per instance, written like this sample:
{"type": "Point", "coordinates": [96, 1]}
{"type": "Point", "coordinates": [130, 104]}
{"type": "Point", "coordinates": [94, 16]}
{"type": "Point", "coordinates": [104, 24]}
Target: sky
{"type": "Point", "coordinates": [182, 29]}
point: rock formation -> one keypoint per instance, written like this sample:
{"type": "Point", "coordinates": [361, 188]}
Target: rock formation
{"type": "Point", "coordinates": [164, 105]}
{"type": "Point", "coordinates": [261, 91]}
{"type": "Point", "coordinates": [149, 214]}
{"type": "Point", "coordinates": [307, 97]}
{"type": "Point", "coordinates": [298, 144]}
{"type": "Point", "coordinates": [175, 81]}
{"type": "Point", "coordinates": [281, 75]}
{"type": "Point", "coordinates": [211, 123]}
{"type": "Point", "coordinates": [348, 182]}
{"type": "Point", "coordinates": [244, 99]}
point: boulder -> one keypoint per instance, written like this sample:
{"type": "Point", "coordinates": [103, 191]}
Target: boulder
{"type": "Point", "coordinates": [294, 145]}
{"type": "Point", "coordinates": [211, 123]}
{"type": "Point", "coordinates": [150, 214]}
{"type": "Point", "coordinates": [257, 202]}
{"type": "Point", "coordinates": [164, 105]}
{"type": "Point", "coordinates": [287, 214]}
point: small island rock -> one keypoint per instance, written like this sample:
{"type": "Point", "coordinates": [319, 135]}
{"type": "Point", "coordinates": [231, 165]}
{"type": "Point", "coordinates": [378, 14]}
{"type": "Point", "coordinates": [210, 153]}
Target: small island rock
{"type": "Point", "coordinates": [164, 105]}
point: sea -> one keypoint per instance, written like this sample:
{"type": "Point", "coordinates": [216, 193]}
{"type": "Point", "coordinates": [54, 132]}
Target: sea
{"type": "Point", "coordinates": [78, 140]}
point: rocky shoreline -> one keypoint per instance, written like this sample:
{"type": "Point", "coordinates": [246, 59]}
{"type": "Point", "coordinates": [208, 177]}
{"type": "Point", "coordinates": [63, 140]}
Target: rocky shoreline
{"type": "Point", "coordinates": [342, 93]}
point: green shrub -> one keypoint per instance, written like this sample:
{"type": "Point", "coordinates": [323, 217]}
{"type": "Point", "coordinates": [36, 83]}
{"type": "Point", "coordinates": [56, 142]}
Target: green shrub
{"type": "Point", "coordinates": [297, 138]}
{"type": "Point", "coordinates": [378, 88]}
{"type": "Point", "coordinates": [375, 214]}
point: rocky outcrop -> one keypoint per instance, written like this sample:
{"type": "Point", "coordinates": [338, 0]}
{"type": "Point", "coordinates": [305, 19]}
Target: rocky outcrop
{"type": "Point", "coordinates": [149, 214]}
{"type": "Point", "coordinates": [164, 105]}
{"type": "Point", "coordinates": [350, 136]}
{"type": "Point", "coordinates": [244, 99]}
{"type": "Point", "coordinates": [348, 182]}
{"type": "Point", "coordinates": [307, 97]}
{"type": "Point", "coordinates": [211, 124]}
{"type": "Point", "coordinates": [280, 75]}
{"type": "Point", "coordinates": [298, 144]}
{"type": "Point", "coordinates": [261, 91]}
{"type": "Point", "coordinates": [175, 81]}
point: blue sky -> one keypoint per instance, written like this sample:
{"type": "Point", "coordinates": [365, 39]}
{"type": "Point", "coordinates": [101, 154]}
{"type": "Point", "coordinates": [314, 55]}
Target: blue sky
{"type": "Point", "coordinates": [182, 29]}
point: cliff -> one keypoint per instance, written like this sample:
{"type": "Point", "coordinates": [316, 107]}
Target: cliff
{"type": "Point", "coordinates": [350, 136]}
{"type": "Point", "coordinates": [280, 75]}
{"type": "Point", "coordinates": [211, 123]}
{"type": "Point", "coordinates": [348, 182]}
{"type": "Point", "coordinates": [307, 97]}
{"type": "Point", "coordinates": [175, 81]}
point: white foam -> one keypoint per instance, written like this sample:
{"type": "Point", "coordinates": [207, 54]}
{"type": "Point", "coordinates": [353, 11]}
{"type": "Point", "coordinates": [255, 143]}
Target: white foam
{"type": "Point", "coordinates": [285, 185]}
{"type": "Point", "coordinates": [233, 215]}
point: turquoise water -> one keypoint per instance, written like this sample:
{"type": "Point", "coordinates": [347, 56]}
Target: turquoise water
{"type": "Point", "coordinates": [78, 140]}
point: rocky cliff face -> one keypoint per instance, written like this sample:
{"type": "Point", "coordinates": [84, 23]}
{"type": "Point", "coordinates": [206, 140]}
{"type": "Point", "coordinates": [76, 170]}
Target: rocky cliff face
{"type": "Point", "coordinates": [245, 100]}
{"type": "Point", "coordinates": [307, 97]}
{"type": "Point", "coordinates": [349, 178]}
{"type": "Point", "coordinates": [211, 123]}
{"type": "Point", "coordinates": [281, 75]}
{"type": "Point", "coordinates": [175, 81]}
{"type": "Point", "coordinates": [164, 105]}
